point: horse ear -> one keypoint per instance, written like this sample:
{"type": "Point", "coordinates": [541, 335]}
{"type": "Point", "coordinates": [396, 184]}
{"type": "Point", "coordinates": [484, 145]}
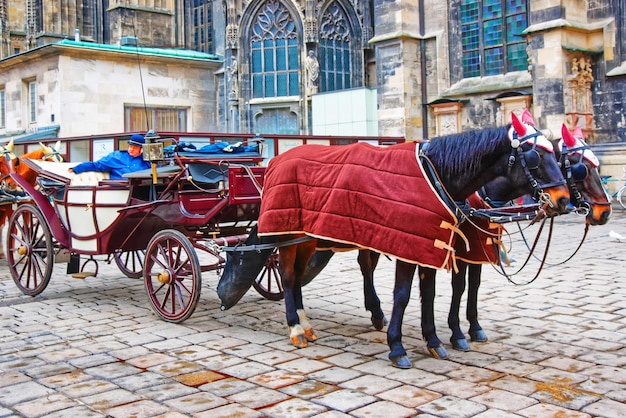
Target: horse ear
{"type": "Point", "coordinates": [518, 125]}
{"type": "Point", "coordinates": [46, 148]}
{"type": "Point", "coordinates": [57, 146]}
{"type": "Point", "coordinates": [10, 145]}
{"type": "Point", "coordinates": [527, 117]}
{"type": "Point", "coordinates": [568, 138]}
{"type": "Point", "coordinates": [578, 133]}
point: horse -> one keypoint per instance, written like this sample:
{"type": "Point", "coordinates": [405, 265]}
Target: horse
{"type": "Point", "coordinates": [460, 164]}
{"type": "Point", "coordinates": [579, 167]}
{"type": "Point", "coordinates": [9, 163]}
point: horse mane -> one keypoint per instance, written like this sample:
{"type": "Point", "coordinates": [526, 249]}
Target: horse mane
{"type": "Point", "coordinates": [460, 154]}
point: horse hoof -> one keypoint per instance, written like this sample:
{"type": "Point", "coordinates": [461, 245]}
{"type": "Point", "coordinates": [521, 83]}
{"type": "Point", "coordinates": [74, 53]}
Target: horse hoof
{"type": "Point", "coordinates": [478, 336]}
{"type": "Point", "coordinates": [299, 341]}
{"type": "Point", "coordinates": [401, 362]}
{"type": "Point", "coordinates": [438, 352]}
{"type": "Point", "coordinates": [460, 344]}
{"type": "Point", "coordinates": [379, 323]}
{"type": "Point", "coordinates": [309, 334]}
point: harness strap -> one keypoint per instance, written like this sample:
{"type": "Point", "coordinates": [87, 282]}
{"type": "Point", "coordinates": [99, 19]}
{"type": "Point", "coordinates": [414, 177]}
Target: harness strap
{"type": "Point", "coordinates": [259, 247]}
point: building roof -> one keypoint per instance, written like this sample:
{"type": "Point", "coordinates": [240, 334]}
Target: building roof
{"type": "Point", "coordinates": [171, 53]}
{"type": "Point", "coordinates": [162, 52]}
{"type": "Point", "coordinates": [41, 133]}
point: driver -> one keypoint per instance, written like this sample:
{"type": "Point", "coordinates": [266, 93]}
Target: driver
{"type": "Point", "coordinates": [118, 162]}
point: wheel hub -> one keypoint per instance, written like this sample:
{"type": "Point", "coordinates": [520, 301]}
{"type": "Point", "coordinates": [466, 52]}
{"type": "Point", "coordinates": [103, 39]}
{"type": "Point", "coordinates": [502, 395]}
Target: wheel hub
{"type": "Point", "coordinates": [22, 250]}
{"type": "Point", "coordinates": [163, 277]}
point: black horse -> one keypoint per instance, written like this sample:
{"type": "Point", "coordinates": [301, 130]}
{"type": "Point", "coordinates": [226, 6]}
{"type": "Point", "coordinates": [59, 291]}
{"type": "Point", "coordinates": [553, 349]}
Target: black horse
{"type": "Point", "coordinates": [580, 168]}
{"type": "Point", "coordinates": [460, 165]}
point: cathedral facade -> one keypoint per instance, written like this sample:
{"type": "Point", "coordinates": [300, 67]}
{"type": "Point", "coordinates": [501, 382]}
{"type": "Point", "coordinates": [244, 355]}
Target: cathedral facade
{"type": "Point", "coordinates": [435, 67]}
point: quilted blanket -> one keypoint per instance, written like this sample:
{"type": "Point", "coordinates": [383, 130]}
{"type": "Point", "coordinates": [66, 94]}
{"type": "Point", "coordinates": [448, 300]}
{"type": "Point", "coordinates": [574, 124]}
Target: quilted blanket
{"type": "Point", "coordinates": [362, 195]}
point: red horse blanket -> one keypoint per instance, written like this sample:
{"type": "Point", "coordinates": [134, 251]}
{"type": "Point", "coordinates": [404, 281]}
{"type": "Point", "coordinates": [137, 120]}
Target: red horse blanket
{"type": "Point", "coordinates": [362, 195]}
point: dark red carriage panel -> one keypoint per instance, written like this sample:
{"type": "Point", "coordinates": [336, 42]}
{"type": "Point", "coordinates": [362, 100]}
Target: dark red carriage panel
{"type": "Point", "coordinates": [245, 184]}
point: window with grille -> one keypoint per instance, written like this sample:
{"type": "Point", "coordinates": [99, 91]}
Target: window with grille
{"type": "Point", "coordinates": [202, 14]}
{"type": "Point", "coordinates": [492, 40]}
{"type": "Point", "coordinates": [32, 102]}
{"type": "Point", "coordinates": [274, 52]}
{"type": "Point", "coordinates": [335, 62]}
{"type": "Point", "coordinates": [139, 119]}
{"type": "Point", "coordinates": [2, 110]}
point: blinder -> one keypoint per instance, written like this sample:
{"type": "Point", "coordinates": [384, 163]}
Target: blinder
{"type": "Point", "coordinates": [532, 158]}
{"type": "Point", "coordinates": [579, 171]}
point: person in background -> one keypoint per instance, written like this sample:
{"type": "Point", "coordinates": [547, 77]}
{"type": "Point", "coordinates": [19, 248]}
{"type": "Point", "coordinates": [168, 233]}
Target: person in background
{"type": "Point", "coordinates": [118, 162]}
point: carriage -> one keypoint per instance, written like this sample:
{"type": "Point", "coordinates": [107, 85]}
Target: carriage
{"type": "Point", "coordinates": [167, 224]}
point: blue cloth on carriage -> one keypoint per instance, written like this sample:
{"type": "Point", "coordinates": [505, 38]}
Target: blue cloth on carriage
{"type": "Point", "coordinates": [227, 147]}
{"type": "Point", "coordinates": [190, 150]}
{"type": "Point", "coordinates": [116, 164]}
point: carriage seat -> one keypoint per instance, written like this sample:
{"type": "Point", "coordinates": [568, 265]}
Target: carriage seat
{"type": "Point", "coordinates": [88, 178]}
{"type": "Point", "coordinates": [206, 174]}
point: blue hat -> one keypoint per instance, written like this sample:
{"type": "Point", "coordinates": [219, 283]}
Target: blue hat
{"type": "Point", "coordinates": [137, 140]}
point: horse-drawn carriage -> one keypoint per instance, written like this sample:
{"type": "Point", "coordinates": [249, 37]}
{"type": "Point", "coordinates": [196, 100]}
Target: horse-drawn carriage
{"type": "Point", "coordinates": [208, 203]}
{"type": "Point", "coordinates": [168, 224]}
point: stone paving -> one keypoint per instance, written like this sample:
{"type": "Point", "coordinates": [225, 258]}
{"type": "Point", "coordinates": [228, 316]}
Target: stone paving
{"type": "Point", "coordinates": [93, 347]}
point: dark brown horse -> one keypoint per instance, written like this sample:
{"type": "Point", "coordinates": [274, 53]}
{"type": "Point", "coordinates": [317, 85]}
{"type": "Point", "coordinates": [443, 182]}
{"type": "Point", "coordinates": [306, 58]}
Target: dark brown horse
{"type": "Point", "coordinates": [460, 165]}
{"type": "Point", "coordinates": [580, 168]}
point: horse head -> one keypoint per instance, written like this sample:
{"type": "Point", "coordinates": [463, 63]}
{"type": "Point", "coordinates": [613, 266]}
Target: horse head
{"type": "Point", "coordinates": [51, 153]}
{"type": "Point", "coordinates": [538, 162]}
{"type": "Point", "coordinates": [580, 169]}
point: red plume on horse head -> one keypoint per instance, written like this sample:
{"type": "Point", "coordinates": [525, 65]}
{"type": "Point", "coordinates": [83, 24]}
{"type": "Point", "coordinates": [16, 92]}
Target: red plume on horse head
{"type": "Point", "coordinates": [528, 118]}
{"type": "Point", "coordinates": [518, 125]}
{"type": "Point", "coordinates": [568, 138]}
{"type": "Point", "coordinates": [578, 133]}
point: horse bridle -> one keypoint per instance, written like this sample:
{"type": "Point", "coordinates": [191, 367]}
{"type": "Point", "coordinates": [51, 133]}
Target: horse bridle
{"type": "Point", "coordinates": [530, 161]}
{"type": "Point", "coordinates": [575, 173]}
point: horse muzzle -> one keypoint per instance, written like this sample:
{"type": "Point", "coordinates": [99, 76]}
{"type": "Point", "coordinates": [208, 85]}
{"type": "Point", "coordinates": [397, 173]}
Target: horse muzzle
{"type": "Point", "coordinates": [598, 214]}
{"type": "Point", "coordinates": [556, 200]}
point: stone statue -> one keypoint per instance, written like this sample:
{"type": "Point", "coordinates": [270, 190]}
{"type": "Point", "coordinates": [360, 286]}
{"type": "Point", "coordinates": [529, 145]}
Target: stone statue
{"type": "Point", "coordinates": [313, 71]}
{"type": "Point", "coordinates": [234, 81]}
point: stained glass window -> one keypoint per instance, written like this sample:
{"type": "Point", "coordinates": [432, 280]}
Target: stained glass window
{"type": "Point", "coordinates": [274, 52]}
{"type": "Point", "coordinates": [335, 61]}
{"type": "Point", "coordinates": [491, 36]}
{"type": "Point", "coordinates": [202, 26]}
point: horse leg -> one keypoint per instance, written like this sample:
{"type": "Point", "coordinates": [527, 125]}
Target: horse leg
{"type": "Point", "coordinates": [292, 263]}
{"type": "Point", "coordinates": [427, 294]}
{"type": "Point", "coordinates": [368, 260]}
{"type": "Point", "coordinates": [475, 330]}
{"type": "Point", "coordinates": [401, 296]}
{"type": "Point", "coordinates": [457, 339]}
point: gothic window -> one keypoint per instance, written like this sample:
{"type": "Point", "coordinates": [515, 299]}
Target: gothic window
{"type": "Point", "coordinates": [202, 27]}
{"type": "Point", "coordinates": [335, 64]}
{"type": "Point", "coordinates": [274, 52]}
{"type": "Point", "coordinates": [492, 41]}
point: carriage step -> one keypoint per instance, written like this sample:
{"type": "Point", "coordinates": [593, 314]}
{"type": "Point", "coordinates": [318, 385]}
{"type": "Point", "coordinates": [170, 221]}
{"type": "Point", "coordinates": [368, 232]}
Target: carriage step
{"type": "Point", "coordinates": [83, 275]}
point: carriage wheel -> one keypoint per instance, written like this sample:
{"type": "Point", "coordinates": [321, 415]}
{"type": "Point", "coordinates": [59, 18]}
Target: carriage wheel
{"type": "Point", "coordinates": [30, 252]}
{"type": "Point", "coordinates": [172, 276]}
{"type": "Point", "coordinates": [131, 263]}
{"type": "Point", "coordinates": [268, 283]}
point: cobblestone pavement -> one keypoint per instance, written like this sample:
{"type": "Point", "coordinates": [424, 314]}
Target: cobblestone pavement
{"type": "Point", "coordinates": [93, 347]}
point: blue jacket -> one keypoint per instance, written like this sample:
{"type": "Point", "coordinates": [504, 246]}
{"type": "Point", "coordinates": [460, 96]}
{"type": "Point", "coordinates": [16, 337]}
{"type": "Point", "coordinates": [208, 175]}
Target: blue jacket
{"type": "Point", "coordinates": [116, 164]}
